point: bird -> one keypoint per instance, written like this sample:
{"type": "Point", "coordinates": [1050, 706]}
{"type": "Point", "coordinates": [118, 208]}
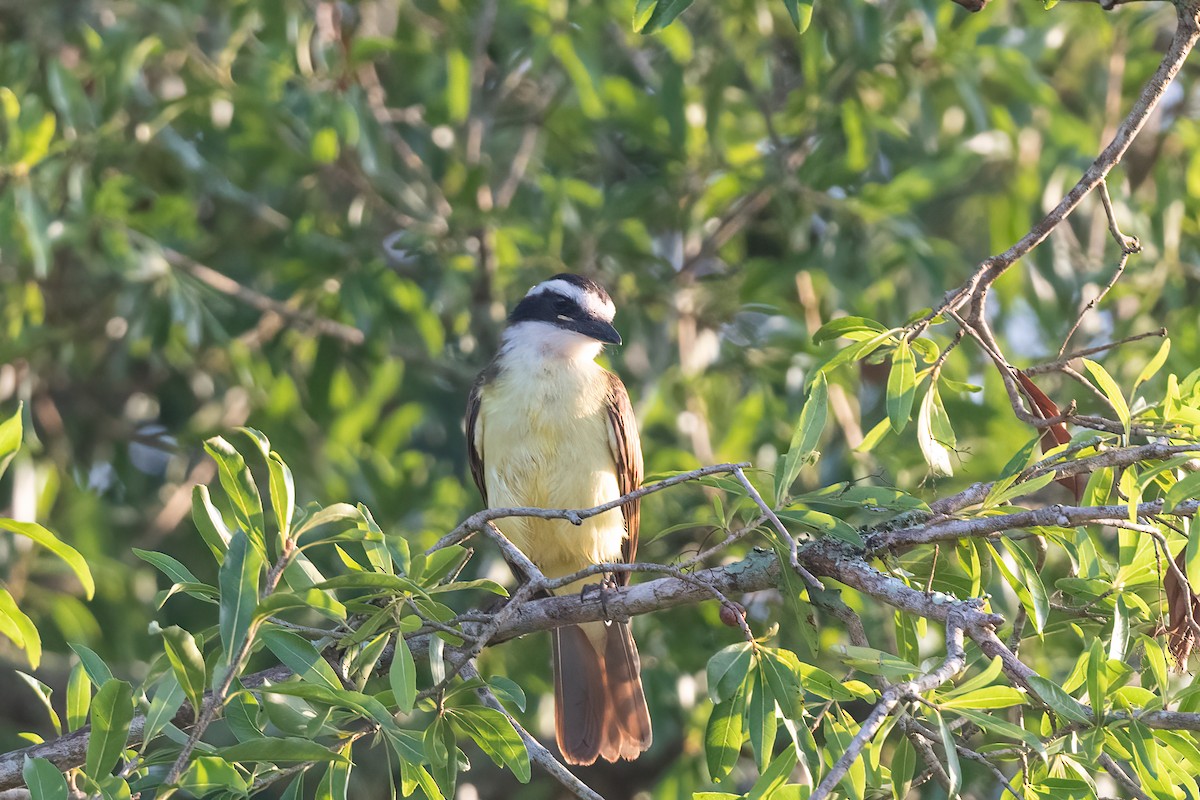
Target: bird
{"type": "Point", "coordinates": [548, 427]}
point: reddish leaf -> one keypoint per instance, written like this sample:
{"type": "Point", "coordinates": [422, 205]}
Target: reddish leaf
{"type": "Point", "coordinates": [1055, 434]}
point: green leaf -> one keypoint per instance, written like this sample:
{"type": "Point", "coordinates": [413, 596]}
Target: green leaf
{"type": "Point", "coordinates": [1097, 679]}
{"type": "Point", "coordinates": [904, 764]}
{"type": "Point", "coordinates": [901, 386]}
{"type": "Point", "coordinates": [1119, 641]}
{"type": "Point", "coordinates": [79, 698]}
{"type": "Point", "coordinates": [167, 699]}
{"type": "Point", "coordinates": [334, 784]}
{"type": "Point", "coordinates": [1059, 701]}
{"type": "Point", "coordinates": [1111, 390]}
{"type": "Point", "coordinates": [10, 438]}
{"type": "Point", "coordinates": [167, 565]}
{"type": "Point", "coordinates": [43, 693]}
{"type": "Point", "coordinates": [953, 768]}
{"type": "Point", "coordinates": [112, 711]}
{"type": "Point", "coordinates": [43, 780]}
{"type": "Point", "coordinates": [727, 670]}
{"type": "Point", "coordinates": [314, 599]}
{"type": "Point", "coordinates": [805, 437]}
{"type": "Point", "coordinates": [1153, 366]}
{"type": "Point", "coordinates": [771, 781]}
{"type": "Point", "coordinates": [823, 524]}
{"type": "Point", "coordinates": [280, 750]}
{"type": "Point", "coordinates": [723, 734]}
{"type": "Point", "coordinates": [842, 326]}
{"type": "Point", "coordinates": [781, 670]}
{"type": "Point", "coordinates": [240, 488]}
{"type": "Point", "coordinates": [1004, 728]}
{"type": "Point", "coordinates": [187, 663]}
{"type": "Point", "coordinates": [935, 452]}
{"type": "Point", "coordinates": [402, 675]}
{"type": "Point", "coordinates": [238, 578]}
{"type": "Point", "coordinates": [651, 16]}
{"type": "Point", "coordinates": [760, 716]}
{"type": "Point", "coordinates": [988, 697]}
{"type": "Point", "coordinates": [506, 689]}
{"type": "Point", "coordinates": [299, 655]}
{"type": "Point", "coordinates": [1039, 601]}
{"type": "Point", "coordinates": [209, 522]}
{"type": "Point", "coordinates": [283, 493]}
{"type": "Point", "coordinates": [16, 625]}
{"type": "Point", "coordinates": [64, 551]}
{"type": "Point", "coordinates": [210, 774]}
{"type": "Point", "coordinates": [94, 665]}
{"type": "Point", "coordinates": [1036, 609]}
{"type": "Point", "coordinates": [1186, 488]}
{"type": "Point", "coordinates": [495, 736]}
{"type": "Point", "coordinates": [801, 12]}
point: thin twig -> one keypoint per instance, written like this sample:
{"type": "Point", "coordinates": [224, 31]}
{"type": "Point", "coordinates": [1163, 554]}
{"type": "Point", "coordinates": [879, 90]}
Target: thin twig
{"type": "Point", "coordinates": [953, 663]}
{"type": "Point", "coordinates": [808, 577]}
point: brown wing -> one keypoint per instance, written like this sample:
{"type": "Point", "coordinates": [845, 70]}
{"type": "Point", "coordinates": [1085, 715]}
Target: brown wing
{"type": "Point", "coordinates": [627, 453]}
{"type": "Point", "coordinates": [474, 456]}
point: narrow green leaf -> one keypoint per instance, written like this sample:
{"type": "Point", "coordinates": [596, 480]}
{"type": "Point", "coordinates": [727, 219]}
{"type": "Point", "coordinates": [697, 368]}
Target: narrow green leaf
{"type": "Point", "coordinates": [1097, 679]}
{"type": "Point", "coordinates": [904, 764]}
{"type": "Point", "coordinates": [207, 774]}
{"type": "Point", "coordinates": [953, 768]}
{"type": "Point", "coordinates": [1111, 390]}
{"type": "Point", "coordinates": [1186, 488]}
{"type": "Point", "coordinates": [727, 670]}
{"type": "Point", "coordinates": [806, 435]}
{"type": "Point", "coordinates": [280, 750]}
{"type": "Point", "coordinates": [16, 625]}
{"type": "Point", "coordinates": [801, 12]}
{"type": "Point", "coordinates": [79, 698]}
{"type": "Point", "coordinates": [209, 522]}
{"type": "Point", "coordinates": [901, 385]}
{"type": "Point", "coordinates": [283, 493]}
{"type": "Point", "coordinates": [824, 524]}
{"type": "Point", "coordinates": [1005, 728]}
{"type": "Point", "coordinates": [43, 780]}
{"type": "Point", "coordinates": [43, 693]}
{"type": "Point", "coordinates": [112, 711]}
{"type": "Point", "coordinates": [981, 680]}
{"type": "Point", "coordinates": [238, 578]}
{"type": "Point", "coordinates": [1119, 641]}
{"type": "Point", "coordinates": [94, 665]}
{"type": "Point", "coordinates": [187, 662]}
{"type": "Point", "coordinates": [772, 780]}
{"type": "Point", "coordinates": [335, 783]}
{"type": "Point", "coordinates": [723, 734]}
{"type": "Point", "coordinates": [167, 699]}
{"type": "Point", "coordinates": [842, 326]}
{"type": "Point", "coordinates": [1059, 701]}
{"type": "Point", "coordinates": [242, 713]}
{"type": "Point", "coordinates": [663, 14]}
{"type": "Point", "coordinates": [51, 542]}
{"type": "Point", "coordinates": [936, 454]}
{"type": "Point", "coordinates": [402, 675]}
{"type": "Point", "coordinates": [988, 697]}
{"type": "Point", "coordinates": [240, 488]}
{"type": "Point", "coordinates": [314, 599]}
{"type": "Point", "coordinates": [760, 716]}
{"type": "Point", "coordinates": [495, 736]}
{"type": "Point", "coordinates": [10, 438]}
{"type": "Point", "coordinates": [167, 565]}
{"type": "Point", "coordinates": [1153, 366]}
{"type": "Point", "coordinates": [299, 655]}
{"type": "Point", "coordinates": [1039, 601]}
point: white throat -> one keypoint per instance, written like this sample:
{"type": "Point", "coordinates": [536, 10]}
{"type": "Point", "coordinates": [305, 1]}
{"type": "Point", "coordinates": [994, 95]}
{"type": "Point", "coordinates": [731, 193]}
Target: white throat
{"type": "Point", "coordinates": [530, 342]}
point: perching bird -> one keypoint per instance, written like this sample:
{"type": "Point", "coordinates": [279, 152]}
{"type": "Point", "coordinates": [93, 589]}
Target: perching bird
{"type": "Point", "coordinates": [548, 427]}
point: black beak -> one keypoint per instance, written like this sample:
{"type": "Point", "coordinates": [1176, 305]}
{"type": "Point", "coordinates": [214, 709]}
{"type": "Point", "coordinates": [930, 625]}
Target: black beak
{"type": "Point", "coordinates": [597, 329]}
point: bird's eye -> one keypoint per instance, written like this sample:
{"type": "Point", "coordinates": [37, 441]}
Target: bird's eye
{"type": "Point", "coordinates": [563, 306]}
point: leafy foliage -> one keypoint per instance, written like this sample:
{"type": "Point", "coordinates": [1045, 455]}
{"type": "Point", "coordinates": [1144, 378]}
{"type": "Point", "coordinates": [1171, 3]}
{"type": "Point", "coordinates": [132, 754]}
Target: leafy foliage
{"type": "Point", "coordinates": [306, 219]}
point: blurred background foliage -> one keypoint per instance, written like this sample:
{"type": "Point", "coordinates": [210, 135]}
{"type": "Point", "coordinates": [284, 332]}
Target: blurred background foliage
{"type": "Point", "coordinates": [311, 216]}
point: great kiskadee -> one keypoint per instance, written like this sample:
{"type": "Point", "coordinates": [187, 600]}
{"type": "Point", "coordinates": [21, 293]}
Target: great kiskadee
{"type": "Point", "coordinates": [548, 427]}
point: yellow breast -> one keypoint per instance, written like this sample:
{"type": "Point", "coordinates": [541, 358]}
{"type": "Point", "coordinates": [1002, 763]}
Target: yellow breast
{"type": "Point", "coordinates": [544, 435]}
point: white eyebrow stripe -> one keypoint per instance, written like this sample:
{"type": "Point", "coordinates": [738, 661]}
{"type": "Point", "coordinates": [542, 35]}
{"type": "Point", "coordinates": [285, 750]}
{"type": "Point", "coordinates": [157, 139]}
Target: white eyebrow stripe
{"type": "Point", "coordinates": [589, 302]}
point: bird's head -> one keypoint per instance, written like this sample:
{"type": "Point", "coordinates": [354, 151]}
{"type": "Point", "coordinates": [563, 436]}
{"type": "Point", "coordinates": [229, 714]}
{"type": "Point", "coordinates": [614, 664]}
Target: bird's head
{"type": "Point", "coordinates": [567, 315]}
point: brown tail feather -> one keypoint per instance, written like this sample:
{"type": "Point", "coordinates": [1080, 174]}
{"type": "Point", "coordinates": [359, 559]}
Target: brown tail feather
{"type": "Point", "coordinates": [599, 707]}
